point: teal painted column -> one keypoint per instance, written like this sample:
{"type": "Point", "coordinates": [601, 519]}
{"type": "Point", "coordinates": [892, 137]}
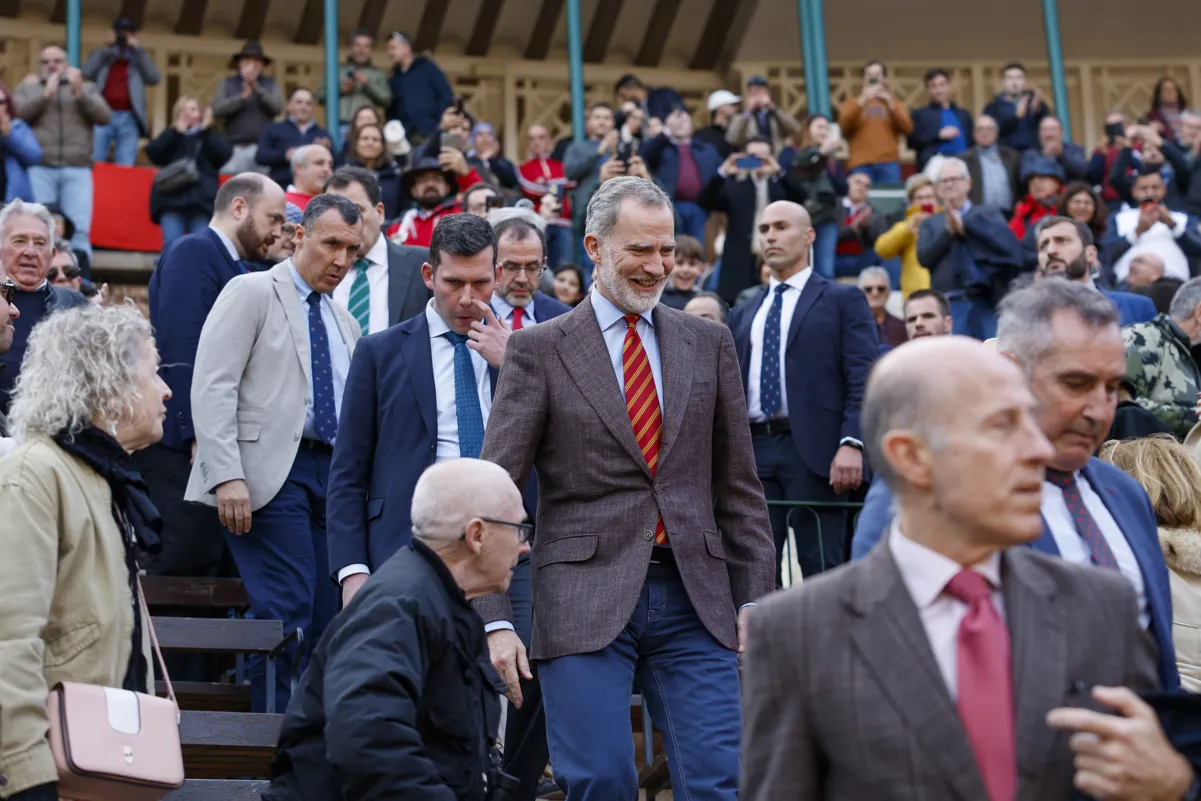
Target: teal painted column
{"type": "Point", "coordinates": [802, 8]}
{"type": "Point", "coordinates": [817, 43]}
{"type": "Point", "coordinates": [575, 67]}
{"type": "Point", "coordinates": [332, 89]}
{"type": "Point", "coordinates": [74, 23]}
{"type": "Point", "coordinates": [1059, 85]}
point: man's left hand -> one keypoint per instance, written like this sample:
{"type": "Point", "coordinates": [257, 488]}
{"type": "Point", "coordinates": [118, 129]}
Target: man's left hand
{"type": "Point", "coordinates": [75, 80]}
{"type": "Point", "coordinates": [1125, 756]}
{"type": "Point", "coordinates": [846, 471]}
{"type": "Point", "coordinates": [489, 339]}
{"type": "Point", "coordinates": [453, 160]}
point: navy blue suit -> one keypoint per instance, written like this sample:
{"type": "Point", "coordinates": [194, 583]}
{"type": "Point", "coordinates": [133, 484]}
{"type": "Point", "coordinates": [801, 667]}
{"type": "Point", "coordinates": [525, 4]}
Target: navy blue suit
{"type": "Point", "coordinates": [1131, 308]}
{"type": "Point", "coordinates": [1126, 501]}
{"type": "Point", "coordinates": [830, 347]}
{"type": "Point", "coordinates": [927, 122]}
{"type": "Point", "coordinates": [190, 275]}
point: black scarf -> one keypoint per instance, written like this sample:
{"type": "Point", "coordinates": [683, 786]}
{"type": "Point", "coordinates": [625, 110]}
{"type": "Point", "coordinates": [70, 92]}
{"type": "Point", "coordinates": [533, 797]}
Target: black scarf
{"type": "Point", "coordinates": [137, 520]}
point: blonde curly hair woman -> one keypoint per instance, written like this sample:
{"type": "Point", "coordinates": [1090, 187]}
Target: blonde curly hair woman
{"type": "Point", "coordinates": [1172, 479]}
{"type": "Point", "coordinates": [74, 510]}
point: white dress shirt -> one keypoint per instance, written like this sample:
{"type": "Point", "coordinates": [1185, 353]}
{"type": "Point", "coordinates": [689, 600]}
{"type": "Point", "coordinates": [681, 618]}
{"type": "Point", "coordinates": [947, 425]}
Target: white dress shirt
{"type": "Point", "coordinates": [755, 368]}
{"type": "Point", "coordinates": [504, 311]}
{"type": "Point", "coordinates": [926, 573]}
{"type": "Point", "coordinates": [230, 247]}
{"type": "Point", "coordinates": [339, 351]}
{"type": "Point", "coordinates": [1072, 546]}
{"type": "Point", "coordinates": [442, 353]}
{"type": "Point", "coordinates": [377, 284]}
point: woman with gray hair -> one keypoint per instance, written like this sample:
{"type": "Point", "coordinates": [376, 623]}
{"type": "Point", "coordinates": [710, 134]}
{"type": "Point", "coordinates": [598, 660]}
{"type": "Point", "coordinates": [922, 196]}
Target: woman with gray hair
{"type": "Point", "coordinates": [74, 509]}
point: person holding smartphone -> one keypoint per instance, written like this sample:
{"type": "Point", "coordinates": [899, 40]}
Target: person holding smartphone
{"type": "Point", "coordinates": [900, 241]}
{"type": "Point", "coordinates": [872, 123]}
{"type": "Point", "coordinates": [1017, 109]}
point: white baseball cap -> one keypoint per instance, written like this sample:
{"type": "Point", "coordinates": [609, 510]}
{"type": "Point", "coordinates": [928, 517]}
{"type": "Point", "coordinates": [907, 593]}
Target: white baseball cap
{"type": "Point", "coordinates": [722, 97]}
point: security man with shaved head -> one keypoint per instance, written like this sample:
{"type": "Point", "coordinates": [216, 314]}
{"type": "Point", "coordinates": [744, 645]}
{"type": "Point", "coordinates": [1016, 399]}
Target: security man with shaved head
{"type": "Point", "coordinates": [806, 345]}
{"type": "Point", "coordinates": [400, 700]}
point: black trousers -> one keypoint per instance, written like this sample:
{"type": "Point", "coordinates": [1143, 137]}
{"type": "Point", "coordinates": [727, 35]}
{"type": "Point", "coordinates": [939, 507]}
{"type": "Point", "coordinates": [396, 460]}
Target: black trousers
{"type": "Point", "coordinates": [821, 532]}
{"type": "Point", "coordinates": [526, 751]}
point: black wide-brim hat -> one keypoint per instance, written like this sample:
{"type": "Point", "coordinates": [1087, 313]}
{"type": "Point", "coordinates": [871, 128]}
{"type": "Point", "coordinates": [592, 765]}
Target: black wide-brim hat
{"type": "Point", "coordinates": [252, 49]}
{"type": "Point", "coordinates": [427, 164]}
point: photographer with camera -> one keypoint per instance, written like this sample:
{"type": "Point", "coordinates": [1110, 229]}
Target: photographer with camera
{"type": "Point", "coordinates": [871, 123]}
{"type": "Point", "coordinates": [121, 71]}
{"type": "Point", "coordinates": [400, 699]}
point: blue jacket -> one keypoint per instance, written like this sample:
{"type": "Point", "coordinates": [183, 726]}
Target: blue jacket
{"type": "Point", "coordinates": [277, 139]}
{"type": "Point", "coordinates": [662, 158]}
{"type": "Point", "coordinates": [419, 96]}
{"type": "Point", "coordinates": [985, 259]}
{"type": "Point", "coordinates": [1131, 308]}
{"type": "Point", "coordinates": [927, 122]}
{"type": "Point", "coordinates": [21, 151]}
{"type": "Point", "coordinates": [183, 288]}
{"type": "Point", "coordinates": [1131, 510]}
{"type": "Point", "coordinates": [1019, 134]}
{"type": "Point", "coordinates": [387, 437]}
{"type": "Point", "coordinates": [824, 384]}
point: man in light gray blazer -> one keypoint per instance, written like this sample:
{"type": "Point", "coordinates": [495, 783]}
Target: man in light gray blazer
{"type": "Point", "coordinates": [267, 387]}
{"type": "Point", "coordinates": [927, 669]}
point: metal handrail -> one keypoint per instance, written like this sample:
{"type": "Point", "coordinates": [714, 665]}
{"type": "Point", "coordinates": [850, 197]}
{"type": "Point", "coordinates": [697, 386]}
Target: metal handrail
{"type": "Point", "coordinates": [812, 507]}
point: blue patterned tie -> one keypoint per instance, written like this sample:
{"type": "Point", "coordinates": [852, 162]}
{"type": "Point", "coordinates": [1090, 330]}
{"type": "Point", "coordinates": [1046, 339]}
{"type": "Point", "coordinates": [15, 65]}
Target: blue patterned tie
{"type": "Point", "coordinates": [467, 400]}
{"type": "Point", "coordinates": [325, 415]}
{"type": "Point", "coordinates": [769, 370]}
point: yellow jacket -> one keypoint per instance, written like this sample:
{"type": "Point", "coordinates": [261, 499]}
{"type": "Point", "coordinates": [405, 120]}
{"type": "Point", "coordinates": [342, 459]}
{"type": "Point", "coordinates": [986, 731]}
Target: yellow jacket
{"type": "Point", "coordinates": [900, 241]}
{"type": "Point", "coordinates": [66, 609]}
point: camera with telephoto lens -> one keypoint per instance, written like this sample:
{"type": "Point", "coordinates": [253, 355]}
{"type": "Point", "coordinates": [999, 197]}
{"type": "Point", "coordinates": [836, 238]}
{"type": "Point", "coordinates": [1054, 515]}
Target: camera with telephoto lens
{"type": "Point", "coordinates": [501, 786]}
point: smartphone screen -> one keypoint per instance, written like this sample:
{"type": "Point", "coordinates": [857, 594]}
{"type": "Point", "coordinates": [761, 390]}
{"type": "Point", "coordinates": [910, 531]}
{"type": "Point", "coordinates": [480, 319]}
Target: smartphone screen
{"type": "Point", "coordinates": [927, 208]}
{"type": "Point", "coordinates": [749, 163]}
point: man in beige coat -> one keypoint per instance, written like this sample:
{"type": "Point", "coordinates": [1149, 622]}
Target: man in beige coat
{"type": "Point", "coordinates": [926, 670]}
{"type": "Point", "coordinates": [267, 389]}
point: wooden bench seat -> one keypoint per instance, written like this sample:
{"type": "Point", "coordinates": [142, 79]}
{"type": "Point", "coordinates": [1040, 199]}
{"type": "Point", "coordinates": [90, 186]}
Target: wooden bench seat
{"type": "Point", "coordinates": [216, 593]}
{"type": "Point", "coordinates": [218, 790]}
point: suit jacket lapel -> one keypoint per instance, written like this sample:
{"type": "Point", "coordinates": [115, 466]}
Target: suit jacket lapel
{"type": "Point", "coordinates": [1038, 648]}
{"type": "Point", "coordinates": [742, 336]}
{"type": "Point", "coordinates": [888, 632]}
{"type": "Point", "coordinates": [400, 282]}
{"type": "Point", "coordinates": [415, 350]}
{"type": "Point", "coordinates": [586, 357]}
{"type": "Point", "coordinates": [1120, 514]}
{"type": "Point", "coordinates": [285, 290]}
{"type": "Point", "coordinates": [220, 243]}
{"type": "Point", "coordinates": [675, 364]}
{"type": "Point", "coordinates": [814, 287]}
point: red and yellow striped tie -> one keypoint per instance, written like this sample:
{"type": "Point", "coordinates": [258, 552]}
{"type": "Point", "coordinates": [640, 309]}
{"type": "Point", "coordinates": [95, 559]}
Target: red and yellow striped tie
{"type": "Point", "coordinates": [642, 403]}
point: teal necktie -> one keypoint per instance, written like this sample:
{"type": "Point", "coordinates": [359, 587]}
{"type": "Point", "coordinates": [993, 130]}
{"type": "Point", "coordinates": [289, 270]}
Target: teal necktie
{"type": "Point", "coordinates": [360, 297]}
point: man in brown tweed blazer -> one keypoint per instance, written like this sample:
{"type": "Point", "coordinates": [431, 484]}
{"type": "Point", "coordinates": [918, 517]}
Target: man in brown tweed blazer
{"type": "Point", "coordinates": [652, 528]}
{"type": "Point", "coordinates": [887, 678]}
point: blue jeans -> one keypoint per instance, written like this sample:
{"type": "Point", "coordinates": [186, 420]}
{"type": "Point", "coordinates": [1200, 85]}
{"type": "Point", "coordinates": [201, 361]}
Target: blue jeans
{"type": "Point", "coordinates": [175, 224]}
{"type": "Point", "coordinates": [688, 681]}
{"type": "Point", "coordinates": [973, 317]}
{"type": "Point", "coordinates": [886, 172]}
{"type": "Point", "coordinates": [122, 130]}
{"type": "Point", "coordinates": [69, 188]}
{"type": "Point", "coordinates": [558, 246]}
{"type": "Point", "coordinates": [692, 219]}
{"type": "Point", "coordinates": [823, 249]}
{"type": "Point", "coordinates": [284, 563]}
{"type": "Point", "coordinates": [851, 266]}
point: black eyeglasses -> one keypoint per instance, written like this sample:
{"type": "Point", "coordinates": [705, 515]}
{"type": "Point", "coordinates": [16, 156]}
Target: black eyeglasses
{"type": "Point", "coordinates": [523, 529]}
{"type": "Point", "coordinates": [8, 291]}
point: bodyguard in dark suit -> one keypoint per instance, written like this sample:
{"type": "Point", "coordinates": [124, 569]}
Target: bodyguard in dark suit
{"type": "Point", "coordinates": [1060, 331]}
{"type": "Point", "coordinates": [385, 285]}
{"type": "Point", "coordinates": [192, 271]}
{"type": "Point", "coordinates": [416, 393]}
{"type": "Point", "coordinates": [399, 701]}
{"type": "Point", "coordinates": [805, 345]}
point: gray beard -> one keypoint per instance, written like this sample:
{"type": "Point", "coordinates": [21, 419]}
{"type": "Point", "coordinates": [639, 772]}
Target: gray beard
{"type": "Point", "coordinates": [627, 299]}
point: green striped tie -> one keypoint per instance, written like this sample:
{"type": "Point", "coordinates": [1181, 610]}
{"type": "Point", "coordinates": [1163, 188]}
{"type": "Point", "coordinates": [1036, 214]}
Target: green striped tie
{"type": "Point", "coordinates": [360, 296]}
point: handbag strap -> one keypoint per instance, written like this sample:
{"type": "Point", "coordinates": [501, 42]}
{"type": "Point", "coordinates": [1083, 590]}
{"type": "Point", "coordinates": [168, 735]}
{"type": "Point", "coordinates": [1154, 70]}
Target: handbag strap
{"type": "Point", "coordinates": [158, 652]}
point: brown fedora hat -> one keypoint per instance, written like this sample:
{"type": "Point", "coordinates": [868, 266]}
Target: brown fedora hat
{"type": "Point", "coordinates": [252, 49]}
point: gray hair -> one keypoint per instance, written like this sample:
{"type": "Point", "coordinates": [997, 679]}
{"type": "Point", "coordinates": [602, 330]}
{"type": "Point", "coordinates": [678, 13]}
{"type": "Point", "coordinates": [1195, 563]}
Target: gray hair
{"type": "Point", "coordinates": [301, 154]}
{"type": "Point", "coordinates": [894, 399]}
{"type": "Point", "coordinates": [1024, 317]}
{"type": "Point", "coordinates": [27, 209]}
{"type": "Point", "coordinates": [938, 163]}
{"type": "Point", "coordinates": [81, 365]}
{"type": "Point", "coordinates": [450, 493]}
{"type": "Point", "coordinates": [498, 216]}
{"type": "Point", "coordinates": [607, 199]}
{"type": "Point", "coordinates": [1186, 300]}
{"type": "Point", "coordinates": [868, 273]}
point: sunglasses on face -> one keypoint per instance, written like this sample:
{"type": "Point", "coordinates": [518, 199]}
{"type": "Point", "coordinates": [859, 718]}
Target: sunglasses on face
{"type": "Point", "coordinates": [8, 291]}
{"type": "Point", "coordinates": [872, 290]}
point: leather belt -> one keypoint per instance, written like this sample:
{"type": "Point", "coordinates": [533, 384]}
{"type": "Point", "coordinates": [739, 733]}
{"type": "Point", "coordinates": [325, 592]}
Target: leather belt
{"type": "Point", "coordinates": [316, 445]}
{"type": "Point", "coordinates": [772, 427]}
{"type": "Point", "coordinates": [662, 555]}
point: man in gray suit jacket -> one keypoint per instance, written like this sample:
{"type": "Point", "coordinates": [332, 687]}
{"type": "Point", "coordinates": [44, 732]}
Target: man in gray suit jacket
{"type": "Point", "coordinates": [926, 670]}
{"type": "Point", "coordinates": [384, 287]}
{"type": "Point", "coordinates": [652, 528]}
{"type": "Point", "coordinates": [266, 390]}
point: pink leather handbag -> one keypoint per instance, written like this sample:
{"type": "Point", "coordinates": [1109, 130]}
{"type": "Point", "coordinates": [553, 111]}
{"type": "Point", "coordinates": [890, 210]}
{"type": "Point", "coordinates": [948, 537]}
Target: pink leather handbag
{"type": "Point", "coordinates": [115, 745]}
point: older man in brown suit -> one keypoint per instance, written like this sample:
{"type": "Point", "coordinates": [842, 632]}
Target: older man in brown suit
{"type": "Point", "coordinates": [927, 669]}
{"type": "Point", "coordinates": [652, 528]}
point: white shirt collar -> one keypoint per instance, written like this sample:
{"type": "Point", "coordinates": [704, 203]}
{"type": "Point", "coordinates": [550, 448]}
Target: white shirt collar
{"type": "Point", "coordinates": [607, 313]}
{"type": "Point", "coordinates": [229, 243]}
{"type": "Point", "coordinates": [504, 308]}
{"type": "Point", "coordinates": [379, 251]}
{"type": "Point", "coordinates": [797, 280]}
{"type": "Point", "coordinates": [438, 326]}
{"type": "Point", "coordinates": [926, 572]}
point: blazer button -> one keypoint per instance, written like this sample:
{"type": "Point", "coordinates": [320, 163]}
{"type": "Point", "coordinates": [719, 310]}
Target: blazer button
{"type": "Point", "coordinates": [648, 535]}
{"type": "Point", "coordinates": [658, 489]}
{"type": "Point", "coordinates": [296, 438]}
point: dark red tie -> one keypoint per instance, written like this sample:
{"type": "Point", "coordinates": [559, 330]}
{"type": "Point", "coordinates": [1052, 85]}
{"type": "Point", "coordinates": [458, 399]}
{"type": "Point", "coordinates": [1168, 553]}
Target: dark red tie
{"type": "Point", "coordinates": [1086, 524]}
{"type": "Point", "coordinates": [985, 688]}
{"type": "Point", "coordinates": [518, 313]}
{"type": "Point", "coordinates": [642, 403]}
